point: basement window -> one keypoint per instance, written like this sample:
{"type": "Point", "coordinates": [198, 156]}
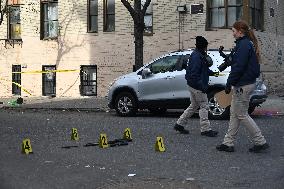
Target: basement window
{"type": "Point", "coordinates": [16, 79]}
{"type": "Point", "coordinates": [88, 80]}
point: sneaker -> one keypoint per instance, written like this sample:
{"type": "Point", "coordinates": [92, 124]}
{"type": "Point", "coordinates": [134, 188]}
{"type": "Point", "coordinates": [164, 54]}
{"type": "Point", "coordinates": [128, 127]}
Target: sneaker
{"type": "Point", "coordinates": [259, 148]}
{"type": "Point", "coordinates": [225, 148]}
{"type": "Point", "coordinates": [181, 129]}
{"type": "Point", "coordinates": [209, 133]}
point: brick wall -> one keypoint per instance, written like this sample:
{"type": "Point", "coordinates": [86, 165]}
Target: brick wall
{"type": "Point", "coordinates": [272, 45]}
{"type": "Point", "coordinates": [113, 52]}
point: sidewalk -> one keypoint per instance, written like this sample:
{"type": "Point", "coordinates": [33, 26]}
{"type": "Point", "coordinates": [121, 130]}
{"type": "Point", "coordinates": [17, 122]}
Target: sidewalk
{"type": "Point", "coordinates": [62, 103]}
{"type": "Point", "coordinates": [274, 105]}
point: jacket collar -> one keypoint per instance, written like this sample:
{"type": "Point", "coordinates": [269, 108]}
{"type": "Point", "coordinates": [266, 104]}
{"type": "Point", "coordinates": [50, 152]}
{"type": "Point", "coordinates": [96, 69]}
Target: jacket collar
{"type": "Point", "coordinates": [241, 38]}
{"type": "Point", "coordinates": [200, 51]}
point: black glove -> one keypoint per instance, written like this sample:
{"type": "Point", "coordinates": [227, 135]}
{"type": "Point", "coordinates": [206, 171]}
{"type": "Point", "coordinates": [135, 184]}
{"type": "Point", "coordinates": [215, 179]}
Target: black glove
{"type": "Point", "coordinates": [222, 66]}
{"type": "Point", "coordinates": [228, 89]}
{"type": "Point", "coordinates": [221, 48]}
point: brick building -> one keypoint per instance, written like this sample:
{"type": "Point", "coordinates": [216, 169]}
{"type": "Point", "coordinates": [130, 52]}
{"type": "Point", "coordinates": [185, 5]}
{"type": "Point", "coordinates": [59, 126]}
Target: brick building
{"type": "Point", "coordinates": [96, 37]}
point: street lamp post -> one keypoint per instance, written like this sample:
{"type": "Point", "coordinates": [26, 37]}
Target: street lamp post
{"type": "Point", "coordinates": [181, 9]}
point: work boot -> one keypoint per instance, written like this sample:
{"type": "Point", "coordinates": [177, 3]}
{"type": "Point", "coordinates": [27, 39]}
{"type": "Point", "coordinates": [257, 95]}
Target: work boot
{"type": "Point", "coordinates": [209, 133]}
{"type": "Point", "coordinates": [259, 148]}
{"type": "Point", "coordinates": [181, 129]}
{"type": "Point", "coordinates": [225, 148]}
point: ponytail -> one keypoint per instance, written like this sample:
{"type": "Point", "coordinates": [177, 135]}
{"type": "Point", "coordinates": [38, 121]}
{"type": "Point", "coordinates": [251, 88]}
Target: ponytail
{"type": "Point", "coordinates": [252, 37]}
{"type": "Point", "coordinates": [244, 28]}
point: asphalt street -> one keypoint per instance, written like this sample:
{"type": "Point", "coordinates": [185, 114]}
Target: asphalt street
{"type": "Point", "coordinates": [190, 161]}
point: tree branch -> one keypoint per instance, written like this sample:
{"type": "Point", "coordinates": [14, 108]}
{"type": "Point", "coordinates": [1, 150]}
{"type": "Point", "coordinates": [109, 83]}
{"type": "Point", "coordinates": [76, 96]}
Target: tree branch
{"type": "Point", "coordinates": [145, 6]}
{"type": "Point", "coordinates": [130, 9]}
{"type": "Point", "coordinates": [2, 11]}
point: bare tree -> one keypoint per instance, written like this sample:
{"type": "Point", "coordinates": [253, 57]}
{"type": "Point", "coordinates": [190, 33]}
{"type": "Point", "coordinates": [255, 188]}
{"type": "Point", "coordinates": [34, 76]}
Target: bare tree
{"type": "Point", "coordinates": [138, 12]}
{"type": "Point", "coordinates": [3, 9]}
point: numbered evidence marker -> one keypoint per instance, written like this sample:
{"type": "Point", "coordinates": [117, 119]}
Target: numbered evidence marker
{"type": "Point", "coordinates": [27, 147]}
{"type": "Point", "coordinates": [127, 134]}
{"type": "Point", "coordinates": [103, 141]}
{"type": "Point", "coordinates": [74, 134]}
{"type": "Point", "coordinates": [160, 146]}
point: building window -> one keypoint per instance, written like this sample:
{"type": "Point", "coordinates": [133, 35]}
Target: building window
{"type": "Point", "coordinates": [16, 79]}
{"type": "Point", "coordinates": [88, 78]}
{"type": "Point", "coordinates": [49, 80]}
{"type": "Point", "coordinates": [256, 14]}
{"type": "Point", "coordinates": [14, 19]}
{"type": "Point", "coordinates": [148, 18]}
{"type": "Point", "coordinates": [14, 2]}
{"type": "Point", "coordinates": [223, 13]}
{"type": "Point", "coordinates": [92, 15]}
{"type": "Point", "coordinates": [109, 15]}
{"type": "Point", "coordinates": [49, 19]}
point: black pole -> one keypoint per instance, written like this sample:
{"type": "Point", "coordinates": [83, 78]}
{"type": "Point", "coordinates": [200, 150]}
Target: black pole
{"type": "Point", "coordinates": [179, 31]}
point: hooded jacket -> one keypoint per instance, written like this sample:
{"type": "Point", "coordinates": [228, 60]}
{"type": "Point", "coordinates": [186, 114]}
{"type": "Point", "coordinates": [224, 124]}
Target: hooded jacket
{"type": "Point", "coordinates": [245, 67]}
{"type": "Point", "coordinates": [197, 71]}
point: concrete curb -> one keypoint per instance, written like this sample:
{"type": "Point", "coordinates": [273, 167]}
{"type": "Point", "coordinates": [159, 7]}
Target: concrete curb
{"type": "Point", "coordinates": [274, 105]}
{"type": "Point", "coordinates": [59, 109]}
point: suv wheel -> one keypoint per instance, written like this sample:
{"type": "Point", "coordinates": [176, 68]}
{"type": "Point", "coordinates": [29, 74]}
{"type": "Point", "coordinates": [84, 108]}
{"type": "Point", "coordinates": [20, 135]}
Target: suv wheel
{"type": "Point", "coordinates": [125, 104]}
{"type": "Point", "coordinates": [215, 110]}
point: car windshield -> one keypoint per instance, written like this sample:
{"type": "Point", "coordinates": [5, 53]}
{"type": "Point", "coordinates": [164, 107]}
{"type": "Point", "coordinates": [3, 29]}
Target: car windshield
{"type": "Point", "coordinates": [165, 64]}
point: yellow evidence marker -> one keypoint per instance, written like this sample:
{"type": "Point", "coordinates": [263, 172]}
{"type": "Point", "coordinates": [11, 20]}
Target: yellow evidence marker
{"type": "Point", "coordinates": [160, 146]}
{"type": "Point", "coordinates": [103, 141]}
{"type": "Point", "coordinates": [27, 147]}
{"type": "Point", "coordinates": [127, 134]}
{"type": "Point", "coordinates": [74, 134]}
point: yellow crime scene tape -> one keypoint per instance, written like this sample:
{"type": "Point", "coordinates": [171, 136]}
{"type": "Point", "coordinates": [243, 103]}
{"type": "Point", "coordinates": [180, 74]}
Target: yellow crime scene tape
{"type": "Point", "coordinates": [24, 89]}
{"type": "Point", "coordinates": [35, 72]}
{"type": "Point", "coordinates": [49, 71]}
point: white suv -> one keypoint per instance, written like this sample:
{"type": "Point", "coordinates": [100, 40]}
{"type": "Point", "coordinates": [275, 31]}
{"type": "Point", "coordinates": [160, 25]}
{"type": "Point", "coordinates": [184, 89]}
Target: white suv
{"type": "Point", "coordinates": [161, 85]}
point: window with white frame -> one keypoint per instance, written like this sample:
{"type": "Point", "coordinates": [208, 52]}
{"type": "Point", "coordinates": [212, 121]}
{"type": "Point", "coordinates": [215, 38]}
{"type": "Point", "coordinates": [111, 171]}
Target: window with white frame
{"type": "Point", "coordinates": [148, 18]}
{"type": "Point", "coordinates": [49, 19]}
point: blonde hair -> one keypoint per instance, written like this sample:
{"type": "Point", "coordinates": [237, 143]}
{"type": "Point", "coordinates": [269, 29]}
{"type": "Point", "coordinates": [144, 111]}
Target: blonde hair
{"type": "Point", "coordinates": [245, 29]}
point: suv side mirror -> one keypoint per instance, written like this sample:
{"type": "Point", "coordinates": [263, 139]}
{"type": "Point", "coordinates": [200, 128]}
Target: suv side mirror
{"type": "Point", "coordinates": [146, 72]}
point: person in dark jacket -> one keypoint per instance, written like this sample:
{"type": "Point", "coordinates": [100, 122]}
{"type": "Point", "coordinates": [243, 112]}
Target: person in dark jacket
{"type": "Point", "coordinates": [245, 69]}
{"type": "Point", "coordinates": [197, 77]}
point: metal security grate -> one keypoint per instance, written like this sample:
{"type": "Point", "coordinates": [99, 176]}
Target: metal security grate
{"type": "Point", "coordinates": [16, 77]}
{"type": "Point", "coordinates": [88, 79]}
{"type": "Point", "coordinates": [49, 81]}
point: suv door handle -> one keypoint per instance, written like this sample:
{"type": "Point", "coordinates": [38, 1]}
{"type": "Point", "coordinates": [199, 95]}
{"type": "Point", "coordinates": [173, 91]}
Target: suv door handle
{"type": "Point", "coordinates": [169, 77]}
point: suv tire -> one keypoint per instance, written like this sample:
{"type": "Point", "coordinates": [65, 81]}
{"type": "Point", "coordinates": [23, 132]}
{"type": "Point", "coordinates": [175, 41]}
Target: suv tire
{"type": "Point", "coordinates": [125, 104]}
